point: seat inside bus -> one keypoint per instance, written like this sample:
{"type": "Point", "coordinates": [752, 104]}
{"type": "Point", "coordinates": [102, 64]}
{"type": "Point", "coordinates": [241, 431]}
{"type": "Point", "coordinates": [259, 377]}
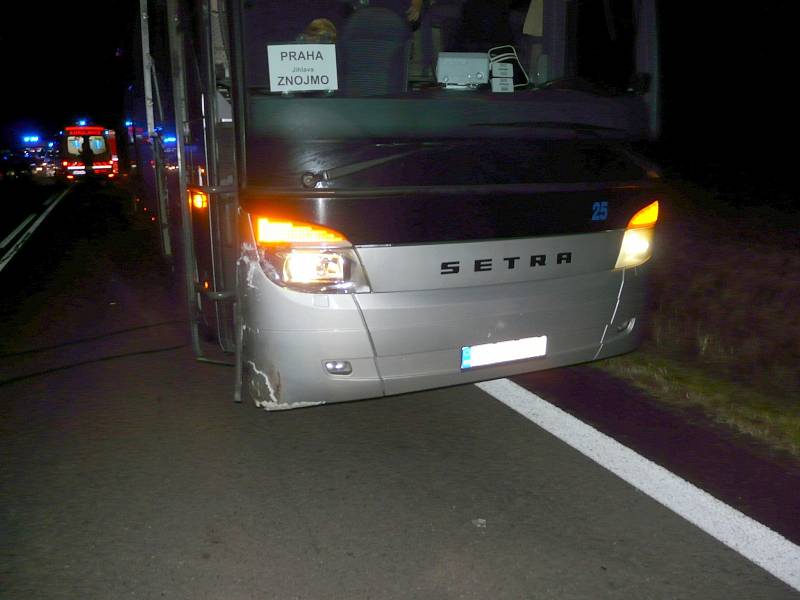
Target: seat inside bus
{"type": "Point", "coordinates": [374, 50]}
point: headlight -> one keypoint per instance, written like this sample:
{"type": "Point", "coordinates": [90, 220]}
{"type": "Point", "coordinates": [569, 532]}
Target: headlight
{"type": "Point", "coordinates": [308, 258]}
{"type": "Point", "coordinates": [314, 266]}
{"type": "Point", "coordinates": [637, 243]}
{"type": "Point", "coordinates": [636, 248]}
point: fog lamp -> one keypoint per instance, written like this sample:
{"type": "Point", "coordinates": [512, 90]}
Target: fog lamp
{"type": "Point", "coordinates": [338, 367]}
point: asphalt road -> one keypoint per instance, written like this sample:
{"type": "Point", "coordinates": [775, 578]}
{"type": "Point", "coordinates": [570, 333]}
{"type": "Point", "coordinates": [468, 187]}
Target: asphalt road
{"type": "Point", "coordinates": [128, 472]}
{"type": "Point", "coordinates": [26, 203]}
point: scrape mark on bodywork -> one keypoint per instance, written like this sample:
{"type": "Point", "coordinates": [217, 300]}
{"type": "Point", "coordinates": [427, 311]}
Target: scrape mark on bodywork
{"type": "Point", "coordinates": [270, 388]}
{"type": "Point", "coordinates": [266, 405]}
{"type": "Point", "coordinates": [251, 330]}
{"type": "Point", "coordinates": [273, 403]}
{"type": "Point", "coordinates": [252, 265]}
{"type": "Point", "coordinates": [613, 316]}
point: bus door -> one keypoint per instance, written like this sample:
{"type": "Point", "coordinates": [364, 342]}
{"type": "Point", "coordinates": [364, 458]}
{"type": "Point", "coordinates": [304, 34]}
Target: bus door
{"type": "Point", "coordinates": [205, 151]}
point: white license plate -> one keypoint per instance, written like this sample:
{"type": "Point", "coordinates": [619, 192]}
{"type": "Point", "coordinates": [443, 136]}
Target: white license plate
{"type": "Point", "coordinates": [500, 352]}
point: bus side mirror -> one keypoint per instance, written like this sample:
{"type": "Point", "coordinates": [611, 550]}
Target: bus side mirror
{"type": "Point", "coordinates": [640, 83]}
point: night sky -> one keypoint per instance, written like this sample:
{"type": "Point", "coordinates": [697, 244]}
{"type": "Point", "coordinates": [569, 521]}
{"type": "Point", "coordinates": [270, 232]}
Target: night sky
{"type": "Point", "coordinates": [727, 105]}
{"type": "Point", "coordinates": [725, 76]}
{"type": "Point", "coordinates": [62, 61]}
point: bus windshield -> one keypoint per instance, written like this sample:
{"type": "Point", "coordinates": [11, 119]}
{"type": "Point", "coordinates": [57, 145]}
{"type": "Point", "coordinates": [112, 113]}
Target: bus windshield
{"type": "Point", "coordinates": [380, 48]}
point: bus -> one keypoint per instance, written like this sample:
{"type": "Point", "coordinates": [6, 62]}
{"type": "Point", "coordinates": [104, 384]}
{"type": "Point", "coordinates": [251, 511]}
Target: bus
{"type": "Point", "coordinates": [88, 151]}
{"type": "Point", "coordinates": [382, 197]}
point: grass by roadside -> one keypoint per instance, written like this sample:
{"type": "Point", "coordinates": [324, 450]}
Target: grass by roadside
{"type": "Point", "coordinates": [769, 418]}
{"type": "Point", "coordinates": [724, 328]}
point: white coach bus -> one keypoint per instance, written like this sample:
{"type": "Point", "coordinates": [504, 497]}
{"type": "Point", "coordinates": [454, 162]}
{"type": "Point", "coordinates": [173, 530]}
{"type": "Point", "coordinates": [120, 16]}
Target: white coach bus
{"type": "Point", "coordinates": [379, 197]}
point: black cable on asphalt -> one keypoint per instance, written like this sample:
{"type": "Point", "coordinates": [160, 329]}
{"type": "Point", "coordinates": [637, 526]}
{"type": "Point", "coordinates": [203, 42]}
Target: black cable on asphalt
{"type": "Point", "coordinates": [92, 338]}
{"type": "Point", "coordinates": [88, 362]}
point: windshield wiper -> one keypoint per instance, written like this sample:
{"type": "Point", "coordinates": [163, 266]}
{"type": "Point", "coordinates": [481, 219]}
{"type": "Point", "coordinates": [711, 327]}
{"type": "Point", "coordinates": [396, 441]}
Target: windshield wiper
{"type": "Point", "coordinates": [310, 179]}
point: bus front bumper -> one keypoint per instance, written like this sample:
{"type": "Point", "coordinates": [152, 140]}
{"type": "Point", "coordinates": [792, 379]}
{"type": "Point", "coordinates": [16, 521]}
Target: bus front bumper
{"type": "Point", "coordinates": [398, 342]}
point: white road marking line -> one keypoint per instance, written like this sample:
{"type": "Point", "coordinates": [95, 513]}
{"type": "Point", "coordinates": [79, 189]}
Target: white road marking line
{"type": "Point", "coordinates": [27, 234]}
{"type": "Point", "coordinates": [748, 537]}
{"type": "Point", "coordinates": [19, 228]}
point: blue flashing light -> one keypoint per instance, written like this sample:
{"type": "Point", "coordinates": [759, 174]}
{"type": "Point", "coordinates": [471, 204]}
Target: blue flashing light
{"type": "Point", "coordinates": [170, 139]}
{"type": "Point", "coordinates": [30, 139]}
{"type": "Point", "coordinates": [50, 144]}
{"type": "Point", "coordinates": [128, 123]}
{"type": "Point", "coordinates": [82, 122]}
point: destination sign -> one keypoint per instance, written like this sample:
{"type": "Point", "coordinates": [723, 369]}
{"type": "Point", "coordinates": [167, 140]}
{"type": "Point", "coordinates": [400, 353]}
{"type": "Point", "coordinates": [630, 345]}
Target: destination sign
{"type": "Point", "coordinates": [302, 67]}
